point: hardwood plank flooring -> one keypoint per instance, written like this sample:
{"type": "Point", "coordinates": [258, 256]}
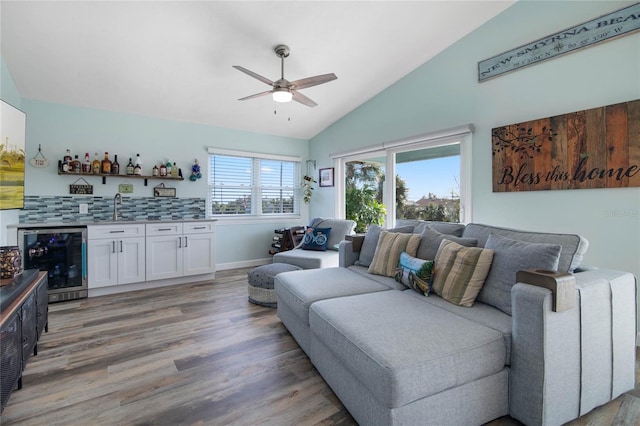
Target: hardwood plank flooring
{"type": "Point", "coordinates": [192, 354]}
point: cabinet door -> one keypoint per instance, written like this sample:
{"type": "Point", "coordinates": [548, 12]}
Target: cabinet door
{"type": "Point", "coordinates": [42, 306]}
{"type": "Point", "coordinates": [199, 255]}
{"type": "Point", "coordinates": [102, 263]}
{"type": "Point", "coordinates": [28, 327]}
{"type": "Point", "coordinates": [131, 260]}
{"type": "Point", "coordinates": [10, 358]}
{"type": "Point", "coordinates": [164, 257]}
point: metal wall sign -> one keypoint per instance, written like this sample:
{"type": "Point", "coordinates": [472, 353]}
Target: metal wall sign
{"type": "Point", "coordinates": [606, 27]}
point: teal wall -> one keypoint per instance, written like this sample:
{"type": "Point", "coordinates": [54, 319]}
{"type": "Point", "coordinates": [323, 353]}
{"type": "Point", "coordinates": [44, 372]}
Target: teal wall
{"type": "Point", "coordinates": [445, 93]}
{"type": "Point", "coordinates": [8, 93]}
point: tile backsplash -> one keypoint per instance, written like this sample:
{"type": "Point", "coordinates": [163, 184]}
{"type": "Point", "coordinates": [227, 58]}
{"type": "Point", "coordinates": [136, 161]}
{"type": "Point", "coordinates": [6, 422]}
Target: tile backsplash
{"type": "Point", "coordinates": [65, 209]}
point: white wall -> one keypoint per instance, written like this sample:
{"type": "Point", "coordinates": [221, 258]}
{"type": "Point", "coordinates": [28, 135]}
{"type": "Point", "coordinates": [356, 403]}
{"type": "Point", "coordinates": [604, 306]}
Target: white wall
{"type": "Point", "coordinates": [445, 93]}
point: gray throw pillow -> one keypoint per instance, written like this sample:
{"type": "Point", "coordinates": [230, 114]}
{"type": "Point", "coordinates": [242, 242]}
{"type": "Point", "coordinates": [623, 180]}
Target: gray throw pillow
{"type": "Point", "coordinates": [339, 228]}
{"type": "Point", "coordinates": [370, 242]}
{"type": "Point", "coordinates": [509, 257]}
{"type": "Point", "coordinates": [430, 240]}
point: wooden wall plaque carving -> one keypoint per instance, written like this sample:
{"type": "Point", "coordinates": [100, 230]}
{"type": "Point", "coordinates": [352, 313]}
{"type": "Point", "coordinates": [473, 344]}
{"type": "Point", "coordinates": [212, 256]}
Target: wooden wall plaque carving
{"type": "Point", "coordinates": [595, 148]}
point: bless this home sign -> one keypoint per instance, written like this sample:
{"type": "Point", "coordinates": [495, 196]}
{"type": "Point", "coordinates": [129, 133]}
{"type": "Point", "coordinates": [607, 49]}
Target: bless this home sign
{"type": "Point", "coordinates": [595, 148]}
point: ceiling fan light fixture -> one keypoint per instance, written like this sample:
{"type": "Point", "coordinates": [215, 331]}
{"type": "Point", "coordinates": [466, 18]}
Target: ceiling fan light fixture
{"type": "Point", "coordinates": [282, 95]}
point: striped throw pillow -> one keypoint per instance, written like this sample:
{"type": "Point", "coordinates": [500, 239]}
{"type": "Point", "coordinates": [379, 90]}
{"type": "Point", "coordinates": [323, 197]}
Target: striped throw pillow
{"type": "Point", "coordinates": [387, 255]}
{"type": "Point", "coordinates": [459, 272]}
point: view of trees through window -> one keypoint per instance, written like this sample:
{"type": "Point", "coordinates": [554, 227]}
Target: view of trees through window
{"type": "Point", "coordinates": [427, 187]}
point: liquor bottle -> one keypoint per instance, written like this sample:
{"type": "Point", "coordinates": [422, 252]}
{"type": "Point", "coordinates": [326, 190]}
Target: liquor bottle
{"type": "Point", "coordinates": [163, 170]}
{"type": "Point", "coordinates": [130, 167]}
{"type": "Point", "coordinates": [75, 165]}
{"type": "Point", "coordinates": [174, 171]}
{"type": "Point", "coordinates": [97, 165]}
{"type": "Point", "coordinates": [137, 170]}
{"type": "Point", "coordinates": [66, 162]}
{"type": "Point", "coordinates": [86, 166]}
{"type": "Point", "coordinates": [115, 167]}
{"type": "Point", "coordinates": [168, 166]}
{"type": "Point", "coordinates": [106, 164]}
{"type": "Point", "coordinates": [156, 171]}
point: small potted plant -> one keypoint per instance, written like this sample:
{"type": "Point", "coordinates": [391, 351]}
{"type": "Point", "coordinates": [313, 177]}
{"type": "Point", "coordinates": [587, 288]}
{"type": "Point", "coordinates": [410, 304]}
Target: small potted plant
{"type": "Point", "coordinates": [307, 188]}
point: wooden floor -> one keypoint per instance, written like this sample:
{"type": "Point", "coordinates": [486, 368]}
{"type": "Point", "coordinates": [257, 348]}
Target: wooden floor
{"type": "Point", "coordinates": [195, 354]}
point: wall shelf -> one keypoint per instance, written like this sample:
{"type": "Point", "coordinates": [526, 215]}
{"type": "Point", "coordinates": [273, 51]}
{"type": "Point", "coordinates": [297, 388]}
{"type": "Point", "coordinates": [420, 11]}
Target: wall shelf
{"type": "Point", "coordinates": [105, 176]}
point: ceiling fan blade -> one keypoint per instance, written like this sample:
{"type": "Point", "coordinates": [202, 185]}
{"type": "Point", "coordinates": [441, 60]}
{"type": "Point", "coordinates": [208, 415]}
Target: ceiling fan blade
{"type": "Point", "coordinates": [299, 97]}
{"type": "Point", "coordinates": [254, 75]}
{"type": "Point", "coordinates": [257, 95]}
{"type": "Point", "coordinates": [313, 81]}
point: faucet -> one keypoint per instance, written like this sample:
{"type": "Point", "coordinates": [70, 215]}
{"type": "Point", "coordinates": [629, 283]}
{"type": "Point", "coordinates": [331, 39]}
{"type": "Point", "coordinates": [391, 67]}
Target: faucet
{"type": "Point", "coordinates": [116, 200]}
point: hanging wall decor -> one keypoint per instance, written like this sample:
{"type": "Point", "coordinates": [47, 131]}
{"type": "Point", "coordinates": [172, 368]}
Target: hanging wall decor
{"type": "Point", "coordinates": [12, 146]}
{"type": "Point", "coordinates": [595, 148]}
{"type": "Point", "coordinates": [615, 24]}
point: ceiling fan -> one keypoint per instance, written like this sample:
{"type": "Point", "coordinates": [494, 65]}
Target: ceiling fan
{"type": "Point", "coordinates": [283, 89]}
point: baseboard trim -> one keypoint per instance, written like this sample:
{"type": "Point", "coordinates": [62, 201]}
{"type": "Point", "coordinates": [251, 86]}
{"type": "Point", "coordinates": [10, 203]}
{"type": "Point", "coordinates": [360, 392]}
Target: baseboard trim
{"type": "Point", "coordinates": [122, 288]}
{"type": "Point", "coordinates": [243, 264]}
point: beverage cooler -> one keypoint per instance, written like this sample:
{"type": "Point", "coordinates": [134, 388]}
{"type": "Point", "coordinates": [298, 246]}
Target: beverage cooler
{"type": "Point", "coordinates": [62, 252]}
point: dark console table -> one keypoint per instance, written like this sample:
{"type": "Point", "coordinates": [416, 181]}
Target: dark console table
{"type": "Point", "coordinates": [23, 318]}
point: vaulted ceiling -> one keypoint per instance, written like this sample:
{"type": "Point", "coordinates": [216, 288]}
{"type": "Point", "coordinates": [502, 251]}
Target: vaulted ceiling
{"type": "Point", "coordinates": [173, 59]}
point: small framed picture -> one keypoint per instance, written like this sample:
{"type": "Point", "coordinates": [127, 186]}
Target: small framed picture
{"type": "Point", "coordinates": [326, 177]}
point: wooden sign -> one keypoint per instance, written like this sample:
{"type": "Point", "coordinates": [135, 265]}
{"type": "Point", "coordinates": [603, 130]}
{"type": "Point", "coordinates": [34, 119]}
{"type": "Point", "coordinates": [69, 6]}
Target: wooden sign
{"type": "Point", "coordinates": [164, 191]}
{"type": "Point", "coordinates": [606, 27]}
{"type": "Point", "coordinates": [78, 189]}
{"type": "Point", "coordinates": [596, 148]}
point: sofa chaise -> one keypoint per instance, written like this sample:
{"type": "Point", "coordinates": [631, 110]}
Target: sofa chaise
{"type": "Point", "coordinates": [396, 357]}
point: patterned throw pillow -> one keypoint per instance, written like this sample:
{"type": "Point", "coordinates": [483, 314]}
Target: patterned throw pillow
{"type": "Point", "coordinates": [387, 256]}
{"type": "Point", "coordinates": [459, 272]}
{"type": "Point", "coordinates": [316, 239]}
{"type": "Point", "coordinates": [414, 273]}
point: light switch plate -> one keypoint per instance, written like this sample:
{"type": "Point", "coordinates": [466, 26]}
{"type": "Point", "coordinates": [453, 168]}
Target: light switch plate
{"type": "Point", "coordinates": [125, 188]}
{"type": "Point", "coordinates": [83, 208]}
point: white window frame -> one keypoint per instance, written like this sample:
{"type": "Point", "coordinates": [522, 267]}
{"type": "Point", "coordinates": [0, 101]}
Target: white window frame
{"type": "Point", "coordinates": [461, 135]}
{"type": "Point", "coordinates": [256, 189]}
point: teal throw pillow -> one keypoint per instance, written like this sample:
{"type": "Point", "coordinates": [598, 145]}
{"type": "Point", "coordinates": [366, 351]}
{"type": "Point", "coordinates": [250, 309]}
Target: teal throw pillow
{"type": "Point", "coordinates": [316, 239]}
{"type": "Point", "coordinates": [414, 273]}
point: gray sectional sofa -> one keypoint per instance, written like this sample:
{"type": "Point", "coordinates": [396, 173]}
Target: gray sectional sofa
{"type": "Point", "coordinates": [396, 357]}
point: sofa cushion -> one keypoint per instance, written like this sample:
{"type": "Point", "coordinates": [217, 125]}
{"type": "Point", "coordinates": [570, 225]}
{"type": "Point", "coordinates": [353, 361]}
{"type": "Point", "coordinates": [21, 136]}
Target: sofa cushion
{"type": "Point", "coordinates": [339, 228]}
{"type": "Point", "coordinates": [414, 273]}
{"type": "Point", "coordinates": [573, 246]}
{"type": "Point", "coordinates": [299, 289]}
{"type": "Point", "coordinates": [308, 259]}
{"type": "Point", "coordinates": [370, 242]}
{"type": "Point", "coordinates": [400, 360]}
{"type": "Point", "coordinates": [430, 242]}
{"type": "Point", "coordinates": [389, 282]}
{"type": "Point", "coordinates": [459, 272]}
{"type": "Point", "coordinates": [511, 256]}
{"type": "Point", "coordinates": [316, 239]}
{"type": "Point", "coordinates": [480, 314]}
{"type": "Point", "coordinates": [449, 228]}
{"type": "Point", "coordinates": [390, 245]}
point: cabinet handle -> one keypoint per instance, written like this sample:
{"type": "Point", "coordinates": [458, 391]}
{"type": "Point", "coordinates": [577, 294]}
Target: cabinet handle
{"type": "Point", "coordinates": [120, 246]}
{"type": "Point", "coordinates": [164, 229]}
{"type": "Point", "coordinates": [199, 227]}
{"type": "Point", "coordinates": [113, 244]}
{"type": "Point", "coordinates": [121, 231]}
{"type": "Point", "coordinates": [186, 241]}
{"type": "Point", "coordinates": [179, 242]}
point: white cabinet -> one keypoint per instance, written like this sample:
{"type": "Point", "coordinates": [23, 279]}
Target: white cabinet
{"type": "Point", "coordinates": [179, 249]}
{"type": "Point", "coordinates": [115, 254]}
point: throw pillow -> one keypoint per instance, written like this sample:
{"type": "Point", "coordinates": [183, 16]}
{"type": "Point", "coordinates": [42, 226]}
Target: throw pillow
{"type": "Point", "coordinates": [387, 256]}
{"type": "Point", "coordinates": [430, 240]}
{"type": "Point", "coordinates": [414, 273]}
{"type": "Point", "coordinates": [370, 242]}
{"type": "Point", "coordinates": [459, 272]}
{"type": "Point", "coordinates": [511, 256]}
{"type": "Point", "coordinates": [316, 239]}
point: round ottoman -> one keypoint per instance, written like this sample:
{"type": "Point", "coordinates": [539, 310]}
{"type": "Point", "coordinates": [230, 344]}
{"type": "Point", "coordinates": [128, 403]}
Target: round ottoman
{"type": "Point", "coordinates": [260, 279]}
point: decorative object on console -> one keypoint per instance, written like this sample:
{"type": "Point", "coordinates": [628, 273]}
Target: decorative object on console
{"type": "Point", "coordinates": [10, 262]}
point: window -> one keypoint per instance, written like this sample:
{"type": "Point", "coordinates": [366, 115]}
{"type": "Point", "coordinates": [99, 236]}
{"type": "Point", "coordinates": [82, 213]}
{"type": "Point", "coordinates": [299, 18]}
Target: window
{"type": "Point", "coordinates": [244, 184]}
{"type": "Point", "coordinates": [431, 180]}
